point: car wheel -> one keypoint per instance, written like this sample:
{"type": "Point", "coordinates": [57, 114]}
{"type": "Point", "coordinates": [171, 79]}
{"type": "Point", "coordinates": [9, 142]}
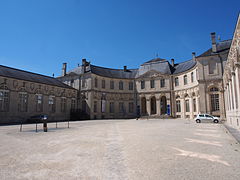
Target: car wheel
{"type": "Point", "coordinates": [198, 120]}
{"type": "Point", "coordinates": [215, 121]}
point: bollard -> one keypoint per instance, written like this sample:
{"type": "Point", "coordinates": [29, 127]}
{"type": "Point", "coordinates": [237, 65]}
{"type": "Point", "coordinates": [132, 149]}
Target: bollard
{"type": "Point", "coordinates": [45, 126]}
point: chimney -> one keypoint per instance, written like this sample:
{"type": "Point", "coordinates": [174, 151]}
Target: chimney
{"type": "Point", "coordinates": [84, 64]}
{"type": "Point", "coordinates": [214, 44]}
{"type": "Point", "coordinates": [173, 62]}
{"type": "Point", "coordinates": [64, 69]}
{"type": "Point", "coordinates": [194, 56]}
{"type": "Point", "coordinates": [125, 68]}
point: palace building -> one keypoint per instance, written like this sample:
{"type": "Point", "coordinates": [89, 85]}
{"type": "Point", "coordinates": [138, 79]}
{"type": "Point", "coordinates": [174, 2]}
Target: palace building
{"type": "Point", "coordinates": [231, 80]}
{"type": "Point", "coordinates": [24, 94]}
{"type": "Point", "coordinates": [158, 88]}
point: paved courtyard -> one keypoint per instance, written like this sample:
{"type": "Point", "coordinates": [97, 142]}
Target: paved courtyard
{"type": "Point", "coordinates": [120, 149]}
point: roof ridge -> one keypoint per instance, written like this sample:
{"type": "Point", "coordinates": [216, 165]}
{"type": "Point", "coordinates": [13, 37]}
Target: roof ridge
{"type": "Point", "coordinates": [111, 68]}
{"type": "Point", "coordinates": [29, 72]}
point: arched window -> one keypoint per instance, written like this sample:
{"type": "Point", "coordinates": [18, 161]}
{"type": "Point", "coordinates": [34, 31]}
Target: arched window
{"type": "Point", "coordinates": [4, 100]}
{"type": "Point", "coordinates": [213, 89]}
{"type": "Point", "coordinates": [185, 79]}
{"type": "Point", "coordinates": [176, 81]}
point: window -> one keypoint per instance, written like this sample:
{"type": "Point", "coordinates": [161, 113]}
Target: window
{"type": "Point", "coordinates": [39, 103]}
{"type": "Point", "coordinates": [120, 85]}
{"type": "Point", "coordinates": [111, 84]}
{"type": "Point", "coordinates": [185, 79]}
{"type": "Point", "coordinates": [178, 106]}
{"type": "Point", "coordinates": [51, 102]}
{"type": "Point", "coordinates": [96, 82]}
{"type": "Point", "coordinates": [187, 105]}
{"type": "Point", "coordinates": [176, 81]}
{"type": "Point", "coordinates": [192, 76]}
{"type": "Point", "coordinates": [162, 82]}
{"type": "Point", "coordinates": [142, 84]}
{"type": "Point", "coordinates": [213, 89]}
{"type": "Point", "coordinates": [130, 85]}
{"type": "Point", "coordinates": [23, 102]}
{"type": "Point", "coordinates": [73, 104]}
{"type": "Point", "coordinates": [95, 106]}
{"type": "Point", "coordinates": [152, 83]}
{"type": "Point", "coordinates": [4, 101]}
{"type": "Point", "coordinates": [121, 107]}
{"type": "Point", "coordinates": [214, 102]}
{"type": "Point", "coordinates": [84, 83]}
{"type": "Point", "coordinates": [131, 107]}
{"type": "Point", "coordinates": [111, 107]}
{"type": "Point", "coordinates": [63, 104]}
{"type": "Point", "coordinates": [194, 105]}
{"type": "Point", "coordinates": [212, 67]}
{"type": "Point", "coordinates": [103, 84]}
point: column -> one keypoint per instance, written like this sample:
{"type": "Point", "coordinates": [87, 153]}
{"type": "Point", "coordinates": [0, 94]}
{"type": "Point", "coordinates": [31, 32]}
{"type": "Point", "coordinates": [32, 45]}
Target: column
{"type": "Point", "coordinates": [158, 106]}
{"type": "Point", "coordinates": [191, 107]}
{"type": "Point", "coordinates": [221, 104]}
{"type": "Point", "coordinates": [234, 90]}
{"type": "Point", "coordinates": [197, 104]}
{"type": "Point", "coordinates": [238, 85]}
{"type": "Point", "coordinates": [183, 109]}
{"type": "Point", "coordinates": [231, 94]}
{"type": "Point", "coordinates": [148, 106]}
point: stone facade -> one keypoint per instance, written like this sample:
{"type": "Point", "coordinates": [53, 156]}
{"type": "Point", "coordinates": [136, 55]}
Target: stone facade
{"type": "Point", "coordinates": [157, 88]}
{"type": "Point", "coordinates": [231, 80]}
{"type": "Point", "coordinates": [24, 94]}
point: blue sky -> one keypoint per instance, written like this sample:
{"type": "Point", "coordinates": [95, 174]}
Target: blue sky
{"type": "Point", "coordinates": [39, 35]}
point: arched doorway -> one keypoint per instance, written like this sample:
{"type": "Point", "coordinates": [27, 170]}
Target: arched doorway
{"type": "Point", "coordinates": [143, 106]}
{"type": "Point", "coordinates": [163, 104]}
{"type": "Point", "coordinates": [153, 105]}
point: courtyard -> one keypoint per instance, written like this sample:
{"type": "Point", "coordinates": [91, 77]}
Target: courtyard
{"type": "Point", "coordinates": [120, 149]}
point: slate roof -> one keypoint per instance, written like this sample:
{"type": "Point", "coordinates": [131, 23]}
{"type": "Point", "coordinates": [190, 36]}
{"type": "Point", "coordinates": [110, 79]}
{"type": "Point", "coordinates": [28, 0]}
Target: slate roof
{"type": "Point", "coordinates": [29, 76]}
{"type": "Point", "coordinates": [222, 47]}
{"type": "Point", "coordinates": [184, 66]}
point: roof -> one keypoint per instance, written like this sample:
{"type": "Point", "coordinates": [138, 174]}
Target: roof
{"type": "Point", "coordinates": [29, 76]}
{"type": "Point", "coordinates": [221, 48]}
{"type": "Point", "coordinates": [158, 64]}
{"type": "Point", "coordinates": [106, 72]}
{"type": "Point", "coordinates": [184, 66]}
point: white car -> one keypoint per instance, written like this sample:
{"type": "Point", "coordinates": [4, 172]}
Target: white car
{"type": "Point", "coordinates": [206, 117]}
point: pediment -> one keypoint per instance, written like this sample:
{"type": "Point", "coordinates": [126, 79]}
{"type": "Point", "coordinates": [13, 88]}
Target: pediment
{"type": "Point", "coordinates": [151, 74]}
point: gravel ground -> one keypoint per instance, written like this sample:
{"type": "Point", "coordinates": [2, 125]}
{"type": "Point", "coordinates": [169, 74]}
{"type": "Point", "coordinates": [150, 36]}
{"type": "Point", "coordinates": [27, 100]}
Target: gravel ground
{"type": "Point", "coordinates": [120, 149]}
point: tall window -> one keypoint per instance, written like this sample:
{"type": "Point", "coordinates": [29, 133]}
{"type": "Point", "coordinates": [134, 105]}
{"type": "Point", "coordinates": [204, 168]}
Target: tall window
{"type": "Point", "coordinates": [51, 102]}
{"type": "Point", "coordinates": [111, 107]}
{"type": "Point", "coordinates": [152, 83]}
{"type": "Point", "coordinates": [142, 84]}
{"type": "Point", "coordinates": [178, 106]}
{"type": "Point", "coordinates": [194, 105]}
{"type": "Point", "coordinates": [111, 84]}
{"type": "Point", "coordinates": [84, 83]}
{"type": "Point", "coordinates": [212, 67]}
{"type": "Point", "coordinates": [176, 81]}
{"type": "Point", "coordinates": [192, 77]}
{"type": "Point", "coordinates": [121, 107]}
{"type": "Point", "coordinates": [162, 82]}
{"type": "Point", "coordinates": [131, 107]}
{"type": "Point", "coordinates": [103, 84]}
{"type": "Point", "coordinates": [63, 104]}
{"type": "Point", "coordinates": [4, 101]}
{"type": "Point", "coordinates": [73, 104]}
{"type": "Point", "coordinates": [120, 85]}
{"type": "Point", "coordinates": [96, 82]}
{"type": "Point", "coordinates": [130, 85]}
{"type": "Point", "coordinates": [39, 102]}
{"type": "Point", "coordinates": [214, 102]}
{"type": "Point", "coordinates": [187, 105]}
{"type": "Point", "coordinates": [23, 102]}
{"type": "Point", "coordinates": [95, 107]}
{"type": "Point", "coordinates": [185, 79]}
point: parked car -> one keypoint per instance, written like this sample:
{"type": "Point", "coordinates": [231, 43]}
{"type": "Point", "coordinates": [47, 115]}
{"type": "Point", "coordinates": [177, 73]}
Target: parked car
{"type": "Point", "coordinates": [206, 118]}
{"type": "Point", "coordinates": [38, 118]}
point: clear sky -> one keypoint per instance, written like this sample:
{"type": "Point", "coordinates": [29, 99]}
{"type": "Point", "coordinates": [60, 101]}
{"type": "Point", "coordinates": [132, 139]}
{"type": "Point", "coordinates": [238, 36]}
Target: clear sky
{"type": "Point", "coordinates": [39, 35]}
